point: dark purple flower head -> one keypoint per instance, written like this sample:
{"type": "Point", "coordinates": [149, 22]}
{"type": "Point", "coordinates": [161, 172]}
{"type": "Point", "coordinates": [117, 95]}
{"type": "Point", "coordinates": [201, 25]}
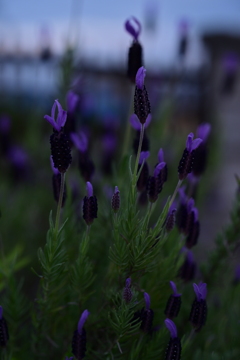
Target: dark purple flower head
{"type": "Point", "coordinates": [143, 156]}
{"type": "Point", "coordinates": [158, 168]}
{"type": "Point", "coordinates": [136, 123]}
{"type": "Point", "coordinates": [174, 289]}
{"type": "Point", "coordinates": [147, 301]}
{"type": "Point", "coordinates": [89, 188]}
{"type": "Point", "coordinates": [18, 156]}
{"type": "Point", "coordinates": [200, 291]}
{"type": "Point", "coordinates": [1, 312]}
{"type": "Point", "coordinates": [80, 140]}
{"type": "Point", "coordinates": [140, 76]}
{"type": "Point", "coordinates": [171, 327]}
{"type": "Point", "coordinates": [82, 320]}
{"type": "Point", "coordinates": [60, 121]}
{"type": "Point", "coordinates": [133, 27]}
{"type": "Point", "coordinates": [160, 156]}
{"type": "Point", "coordinates": [116, 200]}
{"type": "Point", "coordinates": [237, 273]}
{"type": "Point", "coordinates": [72, 101]}
{"type": "Point", "coordinates": [192, 144]}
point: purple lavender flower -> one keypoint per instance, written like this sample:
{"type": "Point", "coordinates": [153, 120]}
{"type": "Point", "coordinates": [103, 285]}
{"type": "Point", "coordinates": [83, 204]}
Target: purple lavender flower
{"type": "Point", "coordinates": [60, 145]}
{"type": "Point", "coordinates": [127, 293]}
{"type": "Point", "coordinates": [116, 200]}
{"type": "Point", "coordinates": [141, 102]}
{"type": "Point", "coordinates": [171, 218]}
{"type": "Point", "coordinates": [174, 347]}
{"type": "Point", "coordinates": [90, 206]}
{"type": "Point", "coordinates": [155, 182]}
{"type": "Point", "coordinates": [86, 165]}
{"type": "Point", "coordinates": [188, 269]}
{"type": "Point", "coordinates": [187, 161]}
{"type": "Point", "coordinates": [198, 313]}
{"type": "Point", "coordinates": [133, 27]}
{"type": "Point", "coordinates": [4, 336]}
{"type": "Point", "coordinates": [147, 315]}
{"type": "Point", "coordinates": [80, 140]}
{"type": "Point", "coordinates": [79, 337]}
{"type": "Point", "coordinates": [173, 303]}
{"type": "Point", "coordinates": [237, 275]}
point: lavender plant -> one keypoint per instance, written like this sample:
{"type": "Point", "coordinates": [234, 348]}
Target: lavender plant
{"type": "Point", "coordinates": [111, 266]}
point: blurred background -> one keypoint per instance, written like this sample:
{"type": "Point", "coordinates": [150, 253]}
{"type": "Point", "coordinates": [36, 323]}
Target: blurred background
{"type": "Point", "coordinates": [191, 51]}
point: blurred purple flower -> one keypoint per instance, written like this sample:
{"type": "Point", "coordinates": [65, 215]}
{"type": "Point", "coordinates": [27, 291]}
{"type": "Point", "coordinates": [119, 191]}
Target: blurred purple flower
{"type": "Point", "coordinates": [80, 140]}
{"type": "Point", "coordinates": [171, 327]}
{"type": "Point", "coordinates": [82, 320]}
{"type": "Point", "coordinates": [133, 27]}
{"type": "Point", "coordinates": [72, 101]}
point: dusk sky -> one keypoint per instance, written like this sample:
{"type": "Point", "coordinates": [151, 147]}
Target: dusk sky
{"type": "Point", "coordinates": [96, 26]}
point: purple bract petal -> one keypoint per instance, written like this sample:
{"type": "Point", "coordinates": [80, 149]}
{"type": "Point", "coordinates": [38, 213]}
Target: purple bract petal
{"type": "Point", "coordinates": [171, 327]}
{"type": "Point", "coordinates": [143, 156]}
{"type": "Point", "coordinates": [195, 211]}
{"type": "Point", "coordinates": [72, 101]}
{"type": "Point", "coordinates": [196, 143]}
{"type": "Point", "coordinates": [133, 27]}
{"type": "Point", "coordinates": [158, 168]}
{"type": "Point", "coordinates": [148, 120]}
{"type": "Point", "coordinates": [183, 196]}
{"type": "Point", "coordinates": [200, 291]}
{"type": "Point", "coordinates": [160, 155]}
{"type": "Point", "coordinates": [135, 122]}
{"type": "Point", "coordinates": [55, 170]}
{"type": "Point", "coordinates": [128, 282]}
{"type": "Point", "coordinates": [61, 117]}
{"type": "Point", "coordinates": [174, 289]}
{"type": "Point", "coordinates": [203, 131]}
{"type": "Point", "coordinates": [189, 142]}
{"type": "Point", "coordinates": [140, 76]}
{"type": "Point", "coordinates": [82, 320]}
{"type": "Point", "coordinates": [190, 257]}
{"type": "Point", "coordinates": [116, 190]}
{"type": "Point", "coordinates": [80, 141]}
{"type": "Point", "coordinates": [147, 300]}
{"type": "Point", "coordinates": [89, 189]}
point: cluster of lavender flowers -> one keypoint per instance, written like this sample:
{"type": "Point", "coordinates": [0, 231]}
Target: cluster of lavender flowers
{"type": "Point", "coordinates": [123, 306]}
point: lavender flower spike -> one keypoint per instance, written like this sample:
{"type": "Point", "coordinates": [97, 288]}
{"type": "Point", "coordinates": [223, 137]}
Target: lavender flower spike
{"type": "Point", "coordinates": [82, 320]}
{"type": "Point", "coordinates": [135, 32]}
{"type": "Point", "coordinates": [146, 315]}
{"type": "Point", "coordinates": [90, 206]}
{"type": "Point", "coordinates": [174, 347]}
{"type": "Point", "coordinates": [200, 291]}
{"type": "Point", "coordinates": [142, 106]}
{"type": "Point", "coordinates": [174, 289]}
{"type": "Point", "coordinates": [187, 161]}
{"type": "Point", "coordinates": [171, 327]}
{"type": "Point", "coordinates": [61, 117]}
{"type": "Point", "coordinates": [116, 200]}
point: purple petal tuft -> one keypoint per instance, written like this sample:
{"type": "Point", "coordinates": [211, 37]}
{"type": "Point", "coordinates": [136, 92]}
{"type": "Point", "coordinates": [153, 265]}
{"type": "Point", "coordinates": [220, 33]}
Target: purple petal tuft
{"type": "Point", "coordinates": [174, 289]}
{"type": "Point", "coordinates": [143, 156]}
{"type": "Point", "coordinates": [158, 168]}
{"type": "Point", "coordinates": [89, 189]}
{"type": "Point", "coordinates": [196, 143]}
{"type": "Point", "coordinates": [140, 76]}
{"type": "Point", "coordinates": [203, 131]}
{"type": "Point", "coordinates": [171, 327]}
{"type": "Point", "coordinates": [200, 291]}
{"type": "Point", "coordinates": [160, 155]}
{"type": "Point", "coordinates": [147, 300]}
{"type": "Point", "coordinates": [133, 29]}
{"type": "Point", "coordinates": [128, 282]}
{"type": "Point", "coordinates": [82, 320]}
{"type": "Point", "coordinates": [135, 122]}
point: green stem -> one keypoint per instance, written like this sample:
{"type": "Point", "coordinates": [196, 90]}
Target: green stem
{"type": "Point", "coordinates": [60, 200]}
{"type": "Point", "coordinates": [175, 192]}
{"type": "Point", "coordinates": [138, 154]}
{"type": "Point", "coordinates": [127, 132]}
